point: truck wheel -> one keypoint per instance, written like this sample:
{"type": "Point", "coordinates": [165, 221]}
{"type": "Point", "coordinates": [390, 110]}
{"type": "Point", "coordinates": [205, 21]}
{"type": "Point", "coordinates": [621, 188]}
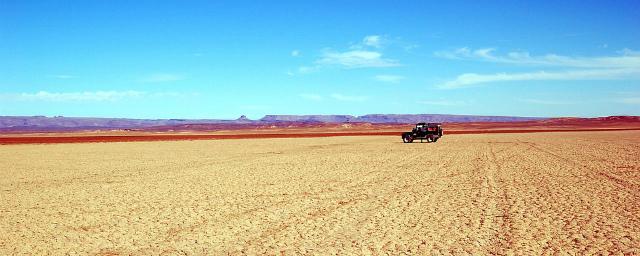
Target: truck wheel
{"type": "Point", "coordinates": [407, 139]}
{"type": "Point", "coordinates": [429, 139]}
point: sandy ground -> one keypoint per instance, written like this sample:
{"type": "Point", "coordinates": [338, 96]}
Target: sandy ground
{"type": "Point", "coordinates": [576, 193]}
{"type": "Point", "coordinates": [100, 136]}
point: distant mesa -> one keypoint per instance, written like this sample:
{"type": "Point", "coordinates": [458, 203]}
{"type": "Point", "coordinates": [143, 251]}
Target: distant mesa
{"type": "Point", "coordinates": [60, 123]}
{"type": "Point", "coordinates": [394, 118]}
{"type": "Point", "coordinates": [243, 118]}
{"type": "Point", "coordinates": [310, 118]}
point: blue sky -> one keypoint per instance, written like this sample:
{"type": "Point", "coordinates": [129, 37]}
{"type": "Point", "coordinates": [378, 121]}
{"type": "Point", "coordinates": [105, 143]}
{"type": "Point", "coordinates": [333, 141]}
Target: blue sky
{"type": "Point", "coordinates": [216, 59]}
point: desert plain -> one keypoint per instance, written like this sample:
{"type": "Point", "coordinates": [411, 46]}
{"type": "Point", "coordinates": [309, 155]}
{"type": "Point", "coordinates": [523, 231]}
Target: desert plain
{"type": "Point", "coordinates": [500, 194]}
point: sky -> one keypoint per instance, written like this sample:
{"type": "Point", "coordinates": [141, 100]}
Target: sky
{"type": "Point", "coordinates": [223, 59]}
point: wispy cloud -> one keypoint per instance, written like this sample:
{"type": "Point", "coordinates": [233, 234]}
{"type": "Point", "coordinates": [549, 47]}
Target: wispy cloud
{"type": "Point", "coordinates": [370, 42]}
{"type": "Point", "coordinates": [389, 78]}
{"type": "Point", "coordinates": [342, 97]}
{"type": "Point", "coordinates": [630, 100]}
{"type": "Point", "coordinates": [624, 65]}
{"type": "Point", "coordinates": [172, 94]}
{"type": "Point", "coordinates": [447, 103]}
{"type": "Point", "coordinates": [63, 76]}
{"type": "Point", "coordinates": [365, 54]}
{"type": "Point", "coordinates": [356, 59]}
{"type": "Point", "coordinates": [94, 96]}
{"type": "Point", "coordinates": [295, 53]}
{"type": "Point", "coordinates": [162, 77]}
{"type": "Point", "coordinates": [471, 79]}
{"type": "Point", "coordinates": [546, 102]}
{"type": "Point", "coordinates": [373, 41]}
{"type": "Point", "coordinates": [624, 59]}
{"type": "Point", "coordinates": [410, 47]}
{"type": "Point", "coordinates": [311, 96]}
{"type": "Point", "coordinates": [73, 96]}
{"type": "Point", "coordinates": [308, 69]}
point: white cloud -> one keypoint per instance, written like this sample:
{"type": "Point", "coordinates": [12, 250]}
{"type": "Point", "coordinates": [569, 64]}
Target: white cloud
{"type": "Point", "coordinates": [546, 102]}
{"type": "Point", "coordinates": [443, 103]}
{"type": "Point", "coordinates": [307, 69]}
{"type": "Point", "coordinates": [342, 97]}
{"type": "Point", "coordinates": [624, 65]}
{"type": "Point", "coordinates": [359, 55]}
{"type": "Point", "coordinates": [410, 47]}
{"type": "Point", "coordinates": [295, 53]}
{"type": "Point", "coordinates": [356, 59]}
{"type": "Point", "coordinates": [630, 100]}
{"type": "Point", "coordinates": [373, 41]}
{"type": "Point", "coordinates": [311, 96]}
{"type": "Point", "coordinates": [64, 76]}
{"type": "Point", "coordinates": [172, 94]}
{"type": "Point", "coordinates": [388, 78]}
{"type": "Point", "coordinates": [470, 79]}
{"type": "Point", "coordinates": [73, 96]}
{"type": "Point", "coordinates": [161, 77]}
{"type": "Point", "coordinates": [90, 96]}
{"type": "Point", "coordinates": [625, 59]}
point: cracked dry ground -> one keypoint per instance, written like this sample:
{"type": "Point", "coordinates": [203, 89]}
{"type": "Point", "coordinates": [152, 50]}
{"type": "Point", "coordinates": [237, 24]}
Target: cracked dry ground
{"type": "Point", "coordinates": [577, 193]}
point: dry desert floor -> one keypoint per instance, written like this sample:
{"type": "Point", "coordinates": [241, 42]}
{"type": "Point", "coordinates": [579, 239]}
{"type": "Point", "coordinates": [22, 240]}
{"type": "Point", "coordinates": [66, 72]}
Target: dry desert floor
{"type": "Point", "coordinates": [545, 193]}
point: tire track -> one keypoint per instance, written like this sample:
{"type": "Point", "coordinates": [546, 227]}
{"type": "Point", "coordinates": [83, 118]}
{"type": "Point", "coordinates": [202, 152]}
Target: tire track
{"type": "Point", "coordinates": [357, 182]}
{"type": "Point", "coordinates": [478, 195]}
{"type": "Point", "coordinates": [633, 189]}
{"type": "Point", "coordinates": [500, 209]}
{"type": "Point", "coordinates": [354, 199]}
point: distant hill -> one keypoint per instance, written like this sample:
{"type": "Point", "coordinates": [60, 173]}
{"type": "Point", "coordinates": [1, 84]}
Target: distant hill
{"type": "Point", "coordinates": [436, 118]}
{"type": "Point", "coordinates": [36, 123]}
{"type": "Point", "coordinates": [331, 122]}
{"type": "Point", "coordinates": [310, 118]}
{"type": "Point", "coordinates": [43, 123]}
{"type": "Point", "coordinates": [75, 123]}
{"type": "Point", "coordinates": [586, 121]}
{"type": "Point", "coordinates": [394, 118]}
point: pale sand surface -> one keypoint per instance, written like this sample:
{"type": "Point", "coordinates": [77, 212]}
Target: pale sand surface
{"type": "Point", "coordinates": [576, 193]}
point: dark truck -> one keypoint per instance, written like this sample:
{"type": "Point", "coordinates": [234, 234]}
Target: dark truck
{"type": "Point", "coordinates": [430, 132]}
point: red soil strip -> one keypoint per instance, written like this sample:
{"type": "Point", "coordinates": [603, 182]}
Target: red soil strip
{"type": "Point", "coordinates": [127, 138]}
{"type": "Point", "coordinates": [164, 137]}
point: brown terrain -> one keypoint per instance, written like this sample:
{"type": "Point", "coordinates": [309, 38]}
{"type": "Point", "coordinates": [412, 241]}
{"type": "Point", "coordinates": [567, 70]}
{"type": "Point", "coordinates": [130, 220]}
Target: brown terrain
{"type": "Point", "coordinates": [573, 193]}
{"type": "Point", "coordinates": [304, 130]}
